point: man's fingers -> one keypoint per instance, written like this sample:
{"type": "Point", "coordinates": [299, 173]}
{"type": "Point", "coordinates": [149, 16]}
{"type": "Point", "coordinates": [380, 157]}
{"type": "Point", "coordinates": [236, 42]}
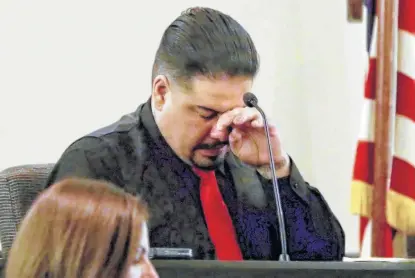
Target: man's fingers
{"type": "Point", "coordinates": [235, 135]}
{"type": "Point", "coordinates": [247, 116]}
{"type": "Point", "coordinates": [257, 123]}
{"type": "Point", "coordinates": [273, 130]}
{"type": "Point", "coordinates": [238, 116]}
{"type": "Point", "coordinates": [227, 118]}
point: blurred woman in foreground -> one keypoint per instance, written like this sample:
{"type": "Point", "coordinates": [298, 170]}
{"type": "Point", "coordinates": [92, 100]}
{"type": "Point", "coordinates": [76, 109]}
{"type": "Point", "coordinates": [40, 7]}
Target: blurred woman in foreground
{"type": "Point", "coordinates": [81, 228]}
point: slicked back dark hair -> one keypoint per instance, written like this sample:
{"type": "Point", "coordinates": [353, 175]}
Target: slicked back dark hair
{"type": "Point", "coordinates": [208, 42]}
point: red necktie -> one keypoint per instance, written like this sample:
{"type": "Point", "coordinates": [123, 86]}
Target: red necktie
{"type": "Point", "coordinates": [218, 220]}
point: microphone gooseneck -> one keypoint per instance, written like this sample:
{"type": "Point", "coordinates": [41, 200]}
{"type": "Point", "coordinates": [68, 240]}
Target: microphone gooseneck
{"type": "Point", "coordinates": [251, 100]}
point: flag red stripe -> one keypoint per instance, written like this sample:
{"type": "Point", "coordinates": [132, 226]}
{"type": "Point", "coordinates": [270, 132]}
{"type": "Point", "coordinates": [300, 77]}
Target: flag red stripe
{"type": "Point", "coordinates": [363, 224]}
{"type": "Point", "coordinates": [363, 168]}
{"type": "Point", "coordinates": [407, 15]}
{"type": "Point", "coordinates": [370, 83]}
{"type": "Point", "coordinates": [388, 240]}
{"type": "Point", "coordinates": [405, 103]}
{"type": "Point", "coordinates": [387, 235]}
{"type": "Point", "coordinates": [403, 178]}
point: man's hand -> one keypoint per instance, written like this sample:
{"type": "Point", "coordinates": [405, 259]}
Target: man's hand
{"type": "Point", "coordinates": [248, 140]}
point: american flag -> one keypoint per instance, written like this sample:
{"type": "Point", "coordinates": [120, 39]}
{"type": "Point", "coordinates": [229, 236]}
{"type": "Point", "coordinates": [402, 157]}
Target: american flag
{"type": "Point", "coordinates": [400, 198]}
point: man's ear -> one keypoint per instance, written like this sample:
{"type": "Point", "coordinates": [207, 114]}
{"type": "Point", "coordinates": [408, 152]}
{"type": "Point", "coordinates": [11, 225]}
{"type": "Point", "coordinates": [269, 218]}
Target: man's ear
{"type": "Point", "coordinates": [161, 87]}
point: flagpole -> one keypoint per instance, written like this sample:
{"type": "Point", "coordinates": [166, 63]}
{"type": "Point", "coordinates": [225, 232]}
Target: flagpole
{"type": "Point", "coordinates": [386, 70]}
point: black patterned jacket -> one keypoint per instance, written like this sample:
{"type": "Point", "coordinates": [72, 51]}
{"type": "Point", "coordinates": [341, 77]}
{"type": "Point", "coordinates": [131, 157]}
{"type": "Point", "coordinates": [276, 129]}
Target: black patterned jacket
{"type": "Point", "coordinates": [132, 154]}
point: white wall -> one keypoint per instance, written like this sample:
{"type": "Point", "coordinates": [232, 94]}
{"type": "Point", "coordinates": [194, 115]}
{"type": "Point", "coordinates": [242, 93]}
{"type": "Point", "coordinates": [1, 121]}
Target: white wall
{"type": "Point", "coordinates": [67, 68]}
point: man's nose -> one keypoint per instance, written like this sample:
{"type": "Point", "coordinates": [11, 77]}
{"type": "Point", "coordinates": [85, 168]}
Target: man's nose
{"type": "Point", "coordinates": [220, 135]}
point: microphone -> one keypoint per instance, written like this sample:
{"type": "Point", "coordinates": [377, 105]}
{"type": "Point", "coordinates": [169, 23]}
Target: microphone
{"type": "Point", "coordinates": [251, 100]}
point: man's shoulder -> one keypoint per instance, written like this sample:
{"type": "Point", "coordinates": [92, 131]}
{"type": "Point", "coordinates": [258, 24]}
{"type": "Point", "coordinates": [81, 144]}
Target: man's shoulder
{"type": "Point", "coordinates": [126, 124]}
{"type": "Point", "coordinates": [107, 153]}
{"type": "Point", "coordinates": [119, 133]}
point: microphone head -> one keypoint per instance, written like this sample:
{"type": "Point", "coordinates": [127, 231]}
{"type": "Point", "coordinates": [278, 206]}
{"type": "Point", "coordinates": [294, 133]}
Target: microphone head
{"type": "Point", "coordinates": [250, 99]}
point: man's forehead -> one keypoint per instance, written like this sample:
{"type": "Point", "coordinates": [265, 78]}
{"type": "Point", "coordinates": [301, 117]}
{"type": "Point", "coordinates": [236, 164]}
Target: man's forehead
{"type": "Point", "coordinates": [220, 94]}
{"type": "Point", "coordinates": [216, 82]}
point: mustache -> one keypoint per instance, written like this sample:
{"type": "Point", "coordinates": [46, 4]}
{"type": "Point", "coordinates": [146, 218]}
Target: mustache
{"type": "Point", "coordinates": [216, 145]}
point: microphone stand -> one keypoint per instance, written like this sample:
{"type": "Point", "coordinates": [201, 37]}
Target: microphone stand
{"type": "Point", "coordinates": [252, 101]}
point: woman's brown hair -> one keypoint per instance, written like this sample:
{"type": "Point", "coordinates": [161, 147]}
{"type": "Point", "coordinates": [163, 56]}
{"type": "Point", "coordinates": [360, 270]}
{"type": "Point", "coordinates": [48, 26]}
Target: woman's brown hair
{"type": "Point", "coordinates": [78, 228]}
